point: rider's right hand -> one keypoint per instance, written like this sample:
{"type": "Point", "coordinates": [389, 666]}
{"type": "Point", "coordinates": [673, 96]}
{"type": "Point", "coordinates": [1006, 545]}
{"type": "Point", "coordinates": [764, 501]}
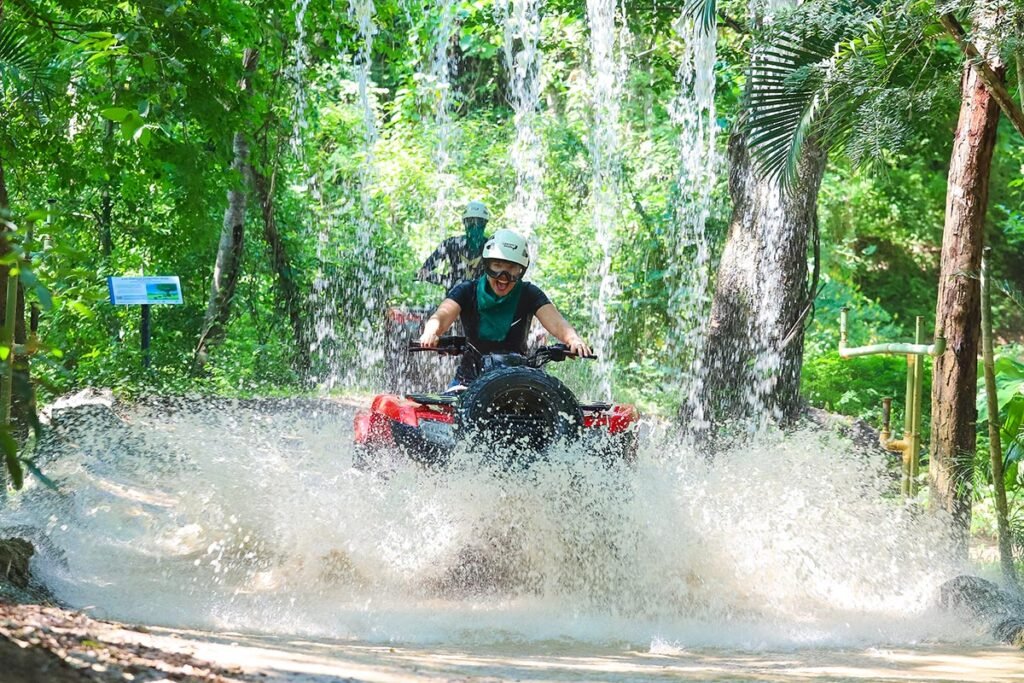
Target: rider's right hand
{"type": "Point", "coordinates": [429, 340]}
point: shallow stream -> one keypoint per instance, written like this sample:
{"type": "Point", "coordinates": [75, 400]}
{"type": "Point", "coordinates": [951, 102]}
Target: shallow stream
{"type": "Point", "coordinates": [247, 518]}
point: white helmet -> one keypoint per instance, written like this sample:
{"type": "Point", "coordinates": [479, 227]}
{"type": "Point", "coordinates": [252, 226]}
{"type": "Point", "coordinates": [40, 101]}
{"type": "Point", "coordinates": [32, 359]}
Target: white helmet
{"type": "Point", "coordinates": [476, 210]}
{"type": "Point", "coordinates": [507, 245]}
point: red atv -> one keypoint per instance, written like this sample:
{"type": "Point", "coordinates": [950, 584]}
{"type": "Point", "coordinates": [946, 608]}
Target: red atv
{"type": "Point", "coordinates": [514, 408]}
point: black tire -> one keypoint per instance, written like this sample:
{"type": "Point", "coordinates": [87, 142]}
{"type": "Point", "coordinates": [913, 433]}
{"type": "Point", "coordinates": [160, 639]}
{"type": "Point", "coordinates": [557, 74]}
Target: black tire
{"type": "Point", "coordinates": [517, 413]}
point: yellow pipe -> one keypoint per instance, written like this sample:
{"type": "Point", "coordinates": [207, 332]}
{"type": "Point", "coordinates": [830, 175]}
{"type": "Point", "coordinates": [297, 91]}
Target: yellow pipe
{"type": "Point", "coordinates": [910, 444]}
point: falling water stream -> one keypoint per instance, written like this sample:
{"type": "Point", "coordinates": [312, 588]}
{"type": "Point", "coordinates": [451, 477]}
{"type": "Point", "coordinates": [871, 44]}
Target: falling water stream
{"type": "Point", "coordinates": [248, 517]}
{"type": "Point", "coordinates": [608, 71]}
{"type": "Point", "coordinates": [521, 21]}
{"type": "Point", "coordinates": [689, 275]}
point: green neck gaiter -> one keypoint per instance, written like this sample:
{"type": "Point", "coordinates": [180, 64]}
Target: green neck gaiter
{"type": "Point", "coordinates": [475, 240]}
{"type": "Point", "coordinates": [496, 312]}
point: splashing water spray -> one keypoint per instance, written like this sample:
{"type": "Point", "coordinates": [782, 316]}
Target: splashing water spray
{"type": "Point", "coordinates": [249, 516]}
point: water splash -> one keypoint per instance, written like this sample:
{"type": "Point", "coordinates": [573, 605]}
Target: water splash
{"type": "Point", "coordinates": [248, 516]}
{"type": "Point", "coordinates": [521, 21]}
{"type": "Point", "coordinates": [608, 69]}
{"type": "Point", "coordinates": [689, 269]}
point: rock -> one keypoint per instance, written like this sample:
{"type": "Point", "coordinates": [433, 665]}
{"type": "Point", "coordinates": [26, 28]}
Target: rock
{"type": "Point", "coordinates": [14, 558]}
{"type": "Point", "coordinates": [35, 664]}
{"type": "Point", "coordinates": [860, 432]}
{"type": "Point", "coordinates": [985, 602]}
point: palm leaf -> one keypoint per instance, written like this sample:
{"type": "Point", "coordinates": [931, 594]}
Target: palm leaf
{"type": "Point", "coordinates": [17, 57]}
{"type": "Point", "coordinates": [702, 12]}
{"type": "Point", "coordinates": [838, 73]}
{"type": "Point", "coordinates": [785, 100]}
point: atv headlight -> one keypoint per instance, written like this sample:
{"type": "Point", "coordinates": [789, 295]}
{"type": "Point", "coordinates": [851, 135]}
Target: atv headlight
{"type": "Point", "coordinates": [437, 432]}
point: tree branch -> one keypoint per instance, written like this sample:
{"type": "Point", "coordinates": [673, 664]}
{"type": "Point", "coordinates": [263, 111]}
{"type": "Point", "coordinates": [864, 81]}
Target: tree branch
{"type": "Point", "coordinates": [733, 24]}
{"type": "Point", "coordinates": [993, 82]}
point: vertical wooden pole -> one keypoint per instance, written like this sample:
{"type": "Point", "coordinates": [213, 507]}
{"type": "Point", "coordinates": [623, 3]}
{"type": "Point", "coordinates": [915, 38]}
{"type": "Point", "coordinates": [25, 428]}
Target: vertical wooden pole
{"type": "Point", "coordinates": [995, 448]}
{"type": "Point", "coordinates": [145, 333]}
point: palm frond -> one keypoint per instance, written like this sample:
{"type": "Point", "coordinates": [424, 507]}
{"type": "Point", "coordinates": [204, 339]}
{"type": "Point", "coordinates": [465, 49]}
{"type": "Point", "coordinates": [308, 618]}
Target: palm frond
{"type": "Point", "coordinates": [702, 12]}
{"type": "Point", "coordinates": [839, 73]}
{"type": "Point", "coordinates": [785, 100]}
{"type": "Point", "coordinates": [17, 57]}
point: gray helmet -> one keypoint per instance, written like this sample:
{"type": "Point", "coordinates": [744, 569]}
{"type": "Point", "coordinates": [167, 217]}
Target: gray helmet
{"type": "Point", "coordinates": [476, 209]}
{"type": "Point", "coordinates": [507, 245]}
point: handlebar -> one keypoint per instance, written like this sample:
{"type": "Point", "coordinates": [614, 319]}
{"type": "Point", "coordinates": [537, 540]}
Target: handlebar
{"type": "Point", "coordinates": [447, 346]}
{"type": "Point", "coordinates": [454, 346]}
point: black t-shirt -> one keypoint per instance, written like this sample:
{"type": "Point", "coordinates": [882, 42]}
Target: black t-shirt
{"type": "Point", "coordinates": [531, 300]}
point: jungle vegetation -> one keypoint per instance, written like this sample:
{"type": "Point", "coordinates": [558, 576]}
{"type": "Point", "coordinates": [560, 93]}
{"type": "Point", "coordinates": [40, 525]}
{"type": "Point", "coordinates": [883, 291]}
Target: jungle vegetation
{"type": "Point", "coordinates": [177, 137]}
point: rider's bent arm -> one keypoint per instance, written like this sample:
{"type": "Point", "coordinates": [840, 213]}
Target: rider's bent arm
{"type": "Point", "coordinates": [561, 330]}
{"type": "Point", "coordinates": [438, 324]}
{"type": "Point", "coordinates": [428, 273]}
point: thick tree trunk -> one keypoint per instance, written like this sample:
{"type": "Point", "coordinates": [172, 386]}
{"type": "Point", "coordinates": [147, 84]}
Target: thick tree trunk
{"type": "Point", "coordinates": [288, 296]}
{"type": "Point", "coordinates": [754, 348]}
{"type": "Point", "coordinates": [957, 312]}
{"type": "Point", "coordinates": [229, 252]}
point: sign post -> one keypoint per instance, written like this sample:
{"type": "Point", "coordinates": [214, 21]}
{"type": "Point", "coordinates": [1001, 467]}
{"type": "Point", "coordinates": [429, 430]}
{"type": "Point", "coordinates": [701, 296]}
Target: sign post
{"type": "Point", "coordinates": [144, 292]}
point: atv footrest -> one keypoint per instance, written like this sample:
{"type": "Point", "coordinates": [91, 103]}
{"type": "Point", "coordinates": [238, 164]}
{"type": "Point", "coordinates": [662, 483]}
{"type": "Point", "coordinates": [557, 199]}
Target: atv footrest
{"type": "Point", "coordinates": [432, 399]}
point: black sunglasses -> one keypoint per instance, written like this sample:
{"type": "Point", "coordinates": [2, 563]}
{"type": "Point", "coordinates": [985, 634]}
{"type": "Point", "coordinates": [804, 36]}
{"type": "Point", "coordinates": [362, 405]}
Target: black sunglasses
{"type": "Point", "coordinates": [503, 275]}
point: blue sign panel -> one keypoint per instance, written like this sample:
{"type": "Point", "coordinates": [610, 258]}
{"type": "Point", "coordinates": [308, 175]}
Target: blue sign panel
{"type": "Point", "coordinates": [134, 291]}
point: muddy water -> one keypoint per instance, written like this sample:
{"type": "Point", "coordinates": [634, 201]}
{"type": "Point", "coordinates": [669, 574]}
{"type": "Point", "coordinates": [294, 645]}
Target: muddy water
{"type": "Point", "coordinates": [786, 559]}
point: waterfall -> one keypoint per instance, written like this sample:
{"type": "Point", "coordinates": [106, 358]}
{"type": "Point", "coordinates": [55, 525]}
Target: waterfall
{"type": "Point", "coordinates": [296, 72]}
{"type": "Point", "coordinates": [689, 277]}
{"type": "Point", "coordinates": [521, 20]}
{"type": "Point", "coordinates": [441, 98]}
{"type": "Point", "coordinates": [608, 69]}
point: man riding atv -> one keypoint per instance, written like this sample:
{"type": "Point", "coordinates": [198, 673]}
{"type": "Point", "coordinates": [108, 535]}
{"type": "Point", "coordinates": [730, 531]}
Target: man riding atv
{"type": "Point", "coordinates": [506, 403]}
{"type": "Point", "coordinates": [461, 253]}
{"type": "Point", "coordinates": [496, 308]}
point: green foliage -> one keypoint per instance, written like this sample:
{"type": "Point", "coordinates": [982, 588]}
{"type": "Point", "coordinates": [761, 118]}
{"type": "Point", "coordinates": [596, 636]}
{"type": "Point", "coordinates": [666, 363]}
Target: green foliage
{"type": "Point", "coordinates": [855, 386]}
{"type": "Point", "coordinates": [847, 75]}
{"type": "Point", "coordinates": [1009, 372]}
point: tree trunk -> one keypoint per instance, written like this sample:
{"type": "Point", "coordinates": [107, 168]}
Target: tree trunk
{"type": "Point", "coordinates": [754, 350]}
{"type": "Point", "coordinates": [288, 296]}
{"type": "Point", "coordinates": [229, 252]}
{"type": "Point", "coordinates": [19, 323]}
{"type": "Point", "coordinates": [957, 313]}
{"type": "Point", "coordinates": [23, 394]}
{"type": "Point", "coordinates": [106, 200]}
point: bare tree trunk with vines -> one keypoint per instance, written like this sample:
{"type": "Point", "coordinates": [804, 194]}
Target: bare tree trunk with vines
{"type": "Point", "coordinates": [227, 267]}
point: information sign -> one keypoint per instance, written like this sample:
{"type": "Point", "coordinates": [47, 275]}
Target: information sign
{"type": "Point", "coordinates": [134, 291]}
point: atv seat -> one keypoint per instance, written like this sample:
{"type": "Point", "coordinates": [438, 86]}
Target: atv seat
{"type": "Point", "coordinates": [432, 399]}
{"type": "Point", "coordinates": [599, 406]}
